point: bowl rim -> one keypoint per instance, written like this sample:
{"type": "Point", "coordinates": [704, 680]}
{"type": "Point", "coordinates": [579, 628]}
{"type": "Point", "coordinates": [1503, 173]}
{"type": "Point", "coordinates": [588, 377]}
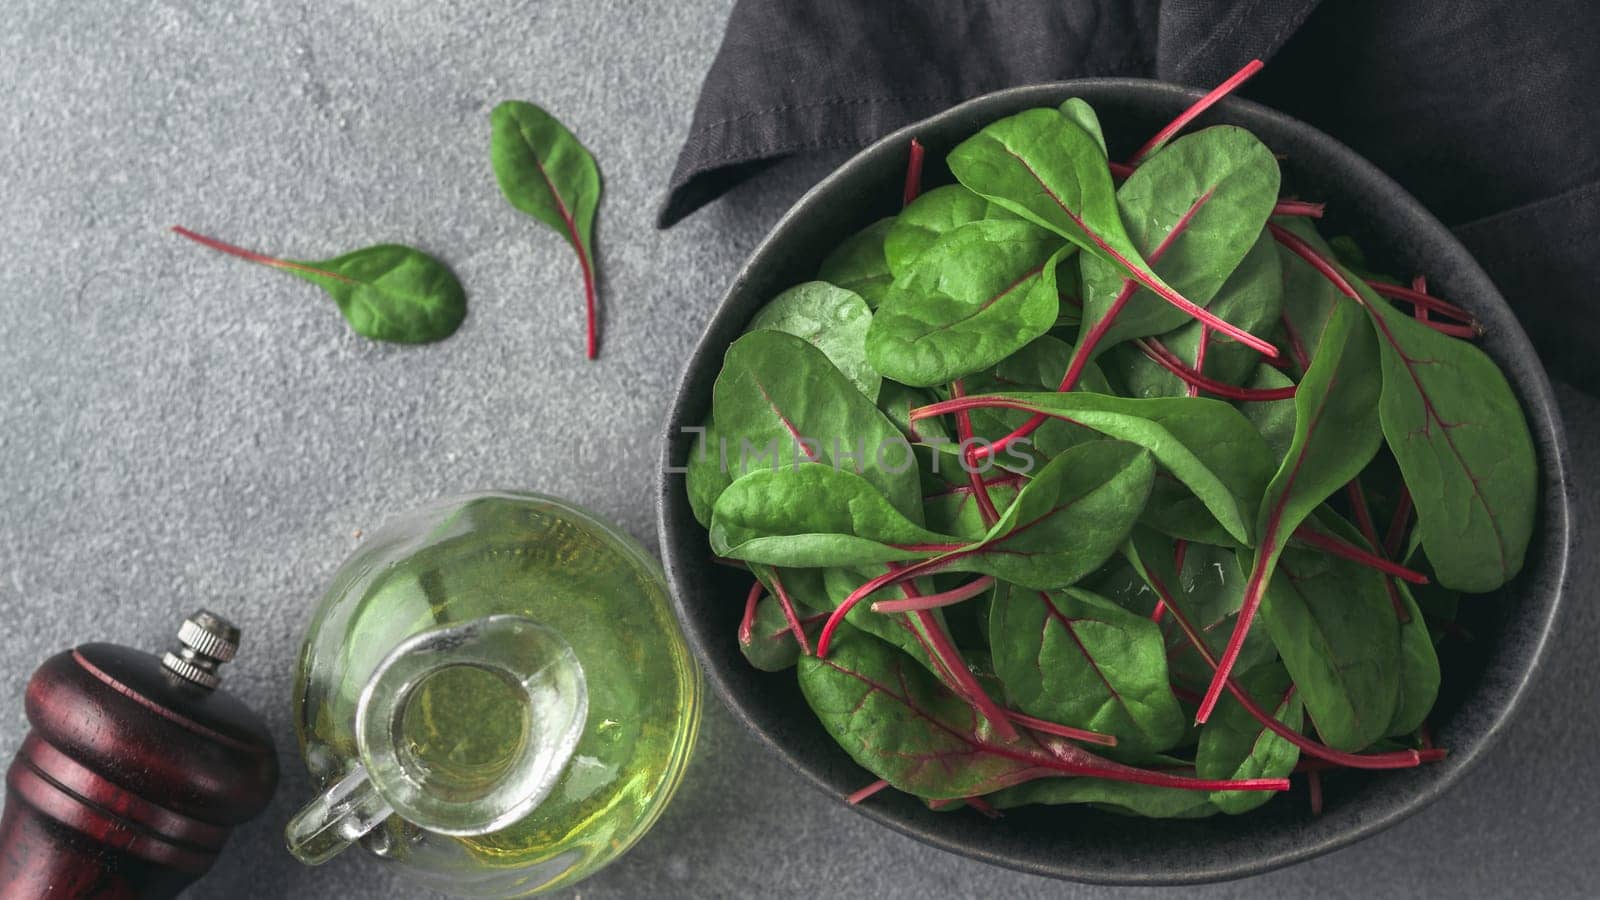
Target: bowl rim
{"type": "Point", "coordinates": [1533, 387]}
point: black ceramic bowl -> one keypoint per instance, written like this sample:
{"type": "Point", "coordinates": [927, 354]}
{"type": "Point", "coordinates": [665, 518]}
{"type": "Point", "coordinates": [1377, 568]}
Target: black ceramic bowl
{"type": "Point", "coordinates": [1484, 680]}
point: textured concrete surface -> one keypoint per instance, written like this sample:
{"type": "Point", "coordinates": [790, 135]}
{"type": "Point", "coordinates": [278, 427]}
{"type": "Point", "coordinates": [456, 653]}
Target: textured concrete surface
{"type": "Point", "coordinates": [178, 428]}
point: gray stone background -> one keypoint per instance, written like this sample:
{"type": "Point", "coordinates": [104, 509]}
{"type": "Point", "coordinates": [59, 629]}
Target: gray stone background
{"type": "Point", "coordinates": [178, 428]}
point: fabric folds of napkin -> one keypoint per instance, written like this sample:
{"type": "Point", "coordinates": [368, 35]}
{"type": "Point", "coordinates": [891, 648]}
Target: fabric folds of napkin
{"type": "Point", "coordinates": [1481, 108]}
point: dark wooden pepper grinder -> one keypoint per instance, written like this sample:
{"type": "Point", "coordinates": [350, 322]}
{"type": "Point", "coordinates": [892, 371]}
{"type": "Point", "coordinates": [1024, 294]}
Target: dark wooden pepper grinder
{"type": "Point", "coordinates": [135, 772]}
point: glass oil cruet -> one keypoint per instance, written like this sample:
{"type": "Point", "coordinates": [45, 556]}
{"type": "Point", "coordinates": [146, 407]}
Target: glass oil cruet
{"type": "Point", "coordinates": [493, 695]}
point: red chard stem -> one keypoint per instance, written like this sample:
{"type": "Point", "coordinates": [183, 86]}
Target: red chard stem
{"type": "Point", "coordinates": [866, 792]}
{"type": "Point", "coordinates": [747, 624]}
{"type": "Point", "coordinates": [1199, 106]}
{"type": "Point", "coordinates": [1356, 554]}
{"type": "Point", "coordinates": [912, 603]}
{"type": "Point", "coordinates": [914, 171]}
{"type": "Point", "coordinates": [252, 256]}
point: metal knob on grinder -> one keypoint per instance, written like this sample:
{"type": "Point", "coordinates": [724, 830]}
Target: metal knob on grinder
{"type": "Point", "coordinates": [136, 771]}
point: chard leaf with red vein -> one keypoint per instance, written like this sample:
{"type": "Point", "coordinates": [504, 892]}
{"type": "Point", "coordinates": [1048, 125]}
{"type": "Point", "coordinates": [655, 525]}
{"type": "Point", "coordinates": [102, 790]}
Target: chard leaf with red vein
{"type": "Point", "coordinates": [1336, 434]}
{"type": "Point", "coordinates": [1208, 590]}
{"type": "Point", "coordinates": [1076, 658]}
{"type": "Point", "coordinates": [1235, 745]}
{"type": "Point", "coordinates": [830, 318]}
{"type": "Point", "coordinates": [545, 172]}
{"type": "Point", "coordinates": [1463, 446]}
{"type": "Point", "coordinates": [815, 516]}
{"type": "Point", "coordinates": [387, 292]}
{"type": "Point", "coordinates": [1219, 462]}
{"type": "Point", "coordinates": [1251, 298]}
{"type": "Point", "coordinates": [1067, 521]}
{"type": "Point", "coordinates": [1193, 211]}
{"type": "Point", "coordinates": [859, 265]}
{"type": "Point", "coordinates": [979, 294]}
{"type": "Point", "coordinates": [779, 401]}
{"type": "Point", "coordinates": [1045, 168]}
{"type": "Point", "coordinates": [899, 723]}
{"type": "Point", "coordinates": [1336, 631]}
{"type": "Point", "coordinates": [1036, 367]}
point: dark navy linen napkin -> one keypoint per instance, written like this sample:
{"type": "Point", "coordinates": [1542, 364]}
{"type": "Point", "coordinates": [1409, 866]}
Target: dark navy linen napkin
{"type": "Point", "coordinates": [1484, 109]}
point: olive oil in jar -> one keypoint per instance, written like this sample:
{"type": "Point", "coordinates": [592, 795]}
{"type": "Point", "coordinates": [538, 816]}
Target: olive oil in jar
{"type": "Point", "coordinates": [497, 687]}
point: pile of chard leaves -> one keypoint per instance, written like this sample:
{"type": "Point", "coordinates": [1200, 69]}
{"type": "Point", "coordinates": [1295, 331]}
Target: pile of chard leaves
{"type": "Point", "coordinates": [1030, 531]}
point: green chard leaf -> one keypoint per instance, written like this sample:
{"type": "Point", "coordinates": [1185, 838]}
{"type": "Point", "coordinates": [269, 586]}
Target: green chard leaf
{"type": "Point", "coordinates": [775, 391]}
{"type": "Point", "coordinates": [1208, 591]}
{"type": "Point", "coordinates": [1419, 669]}
{"type": "Point", "coordinates": [1193, 211]}
{"type": "Point", "coordinates": [1036, 367]}
{"type": "Point", "coordinates": [832, 319]}
{"type": "Point", "coordinates": [769, 644]}
{"type": "Point", "coordinates": [859, 265]}
{"type": "Point", "coordinates": [1234, 745]}
{"type": "Point", "coordinates": [387, 292]}
{"type": "Point", "coordinates": [1076, 658]}
{"type": "Point", "coordinates": [1251, 298]}
{"type": "Point", "coordinates": [930, 217]}
{"type": "Point", "coordinates": [1308, 296]}
{"type": "Point", "coordinates": [1463, 445]}
{"type": "Point", "coordinates": [1335, 435]}
{"type": "Point", "coordinates": [707, 473]}
{"type": "Point", "coordinates": [1081, 114]}
{"type": "Point", "coordinates": [1068, 520]}
{"type": "Point", "coordinates": [1332, 623]}
{"type": "Point", "coordinates": [814, 516]}
{"type": "Point", "coordinates": [1274, 419]}
{"type": "Point", "coordinates": [1112, 796]}
{"type": "Point", "coordinates": [979, 294]}
{"type": "Point", "coordinates": [1044, 167]}
{"type": "Point", "coordinates": [898, 722]}
{"type": "Point", "coordinates": [545, 172]}
{"type": "Point", "coordinates": [1219, 462]}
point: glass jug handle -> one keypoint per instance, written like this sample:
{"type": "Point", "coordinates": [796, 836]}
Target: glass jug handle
{"type": "Point", "coordinates": [389, 780]}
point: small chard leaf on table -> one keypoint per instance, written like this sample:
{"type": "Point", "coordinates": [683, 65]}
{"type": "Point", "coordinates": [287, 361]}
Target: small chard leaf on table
{"type": "Point", "coordinates": [1067, 521]}
{"type": "Point", "coordinates": [1336, 631]}
{"type": "Point", "coordinates": [815, 516]}
{"type": "Point", "coordinates": [929, 218]}
{"type": "Point", "coordinates": [1193, 211]}
{"type": "Point", "coordinates": [1336, 434]}
{"type": "Point", "coordinates": [979, 294]}
{"type": "Point", "coordinates": [546, 173]}
{"type": "Point", "coordinates": [859, 265]}
{"type": "Point", "coordinates": [1234, 745]}
{"type": "Point", "coordinates": [387, 292]}
{"type": "Point", "coordinates": [1463, 446]}
{"type": "Point", "coordinates": [830, 318]}
{"type": "Point", "coordinates": [1076, 658]}
{"type": "Point", "coordinates": [779, 402]}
